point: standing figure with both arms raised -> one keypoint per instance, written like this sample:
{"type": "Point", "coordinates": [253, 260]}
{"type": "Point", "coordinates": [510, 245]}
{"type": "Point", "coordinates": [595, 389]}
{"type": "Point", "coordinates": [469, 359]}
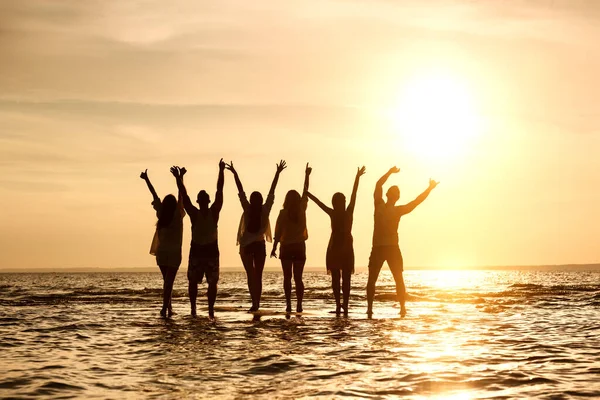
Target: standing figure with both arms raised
{"type": "Point", "coordinates": [204, 248]}
{"type": "Point", "coordinates": [291, 232]}
{"type": "Point", "coordinates": [253, 230]}
{"type": "Point", "coordinates": [385, 237]}
{"type": "Point", "coordinates": [340, 251]}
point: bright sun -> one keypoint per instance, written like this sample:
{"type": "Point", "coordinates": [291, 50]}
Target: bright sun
{"type": "Point", "coordinates": [436, 116]}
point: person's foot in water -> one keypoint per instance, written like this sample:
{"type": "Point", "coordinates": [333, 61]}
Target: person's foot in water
{"type": "Point", "coordinates": [288, 309]}
{"type": "Point", "coordinates": [193, 312]}
{"type": "Point", "coordinates": [402, 311]}
{"type": "Point", "coordinates": [163, 312]}
{"type": "Point", "coordinates": [211, 313]}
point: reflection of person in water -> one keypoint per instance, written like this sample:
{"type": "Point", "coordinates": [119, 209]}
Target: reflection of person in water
{"type": "Point", "coordinates": [385, 237]}
{"type": "Point", "coordinates": [340, 252]}
{"type": "Point", "coordinates": [254, 229]}
{"type": "Point", "coordinates": [166, 244]}
{"type": "Point", "coordinates": [291, 231]}
{"type": "Point", "coordinates": [204, 249]}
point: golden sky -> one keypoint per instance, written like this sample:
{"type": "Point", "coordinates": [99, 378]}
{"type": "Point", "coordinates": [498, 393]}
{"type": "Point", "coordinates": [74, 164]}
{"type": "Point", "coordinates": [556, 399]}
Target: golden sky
{"type": "Point", "coordinates": [93, 92]}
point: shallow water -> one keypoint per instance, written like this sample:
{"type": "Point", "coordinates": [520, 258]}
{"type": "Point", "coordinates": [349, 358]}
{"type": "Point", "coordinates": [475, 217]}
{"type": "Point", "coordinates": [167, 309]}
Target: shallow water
{"type": "Point", "coordinates": [468, 334]}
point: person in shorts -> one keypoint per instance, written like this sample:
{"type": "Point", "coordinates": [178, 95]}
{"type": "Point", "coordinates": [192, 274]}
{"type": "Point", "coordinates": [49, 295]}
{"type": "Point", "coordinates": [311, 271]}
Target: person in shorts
{"type": "Point", "coordinates": [204, 248]}
{"type": "Point", "coordinates": [385, 237]}
{"type": "Point", "coordinates": [253, 231]}
{"type": "Point", "coordinates": [291, 231]}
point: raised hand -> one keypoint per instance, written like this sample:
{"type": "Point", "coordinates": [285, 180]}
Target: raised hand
{"type": "Point", "coordinates": [175, 171]}
{"type": "Point", "coordinates": [308, 170]}
{"type": "Point", "coordinates": [432, 184]}
{"type": "Point", "coordinates": [281, 166]}
{"type": "Point", "coordinates": [361, 171]}
{"type": "Point", "coordinates": [394, 170]}
{"type": "Point", "coordinates": [230, 167]}
{"type": "Point", "coordinates": [182, 171]}
{"type": "Point", "coordinates": [144, 174]}
{"type": "Point", "coordinates": [221, 164]}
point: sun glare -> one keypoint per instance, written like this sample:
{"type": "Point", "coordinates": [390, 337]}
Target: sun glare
{"type": "Point", "coordinates": [436, 116]}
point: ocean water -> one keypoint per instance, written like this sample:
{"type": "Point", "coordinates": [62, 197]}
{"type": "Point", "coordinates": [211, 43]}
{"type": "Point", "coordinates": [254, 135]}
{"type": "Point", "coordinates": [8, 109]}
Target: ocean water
{"type": "Point", "coordinates": [468, 334]}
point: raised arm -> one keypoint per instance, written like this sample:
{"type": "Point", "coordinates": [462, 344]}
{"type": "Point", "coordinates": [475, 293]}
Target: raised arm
{"type": "Point", "coordinates": [420, 198]}
{"type": "Point", "coordinates": [361, 171]}
{"type": "Point", "coordinates": [178, 173]}
{"type": "Point", "coordinates": [280, 167]}
{"type": "Point", "coordinates": [238, 183]}
{"type": "Point", "coordinates": [319, 203]}
{"type": "Point", "coordinates": [144, 176]}
{"type": "Point", "coordinates": [218, 204]}
{"type": "Point", "coordinates": [307, 172]}
{"type": "Point", "coordinates": [378, 195]}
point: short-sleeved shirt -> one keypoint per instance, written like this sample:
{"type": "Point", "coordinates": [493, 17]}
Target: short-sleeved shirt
{"type": "Point", "coordinates": [387, 219]}
{"type": "Point", "coordinates": [168, 239]}
{"type": "Point", "coordinates": [244, 237]}
{"type": "Point", "coordinates": [289, 231]}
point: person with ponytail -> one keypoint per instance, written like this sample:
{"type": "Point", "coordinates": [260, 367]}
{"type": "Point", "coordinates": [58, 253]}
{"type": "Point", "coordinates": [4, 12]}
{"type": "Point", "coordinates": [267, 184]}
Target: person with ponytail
{"type": "Point", "coordinates": [253, 230]}
{"type": "Point", "coordinates": [291, 232]}
{"type": "Point", "coordinates": [340, 251]}
{"type": "Point", "coordinates": [166, 244]}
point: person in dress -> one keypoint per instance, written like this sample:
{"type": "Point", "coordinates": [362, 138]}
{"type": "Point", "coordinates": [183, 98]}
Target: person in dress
{"type": "Point", "coordinates": [340, 251]}
{"type": "Point", "coordinates": [166, 244]}
{"type": "Point", "coordinates": [385, 237]}
{"type": "Point", "coordinates": [254, 229]}
{"type": "Point", "coordinates": [204, 248]}
{"type": "Point", "coordinates": [291, 232]}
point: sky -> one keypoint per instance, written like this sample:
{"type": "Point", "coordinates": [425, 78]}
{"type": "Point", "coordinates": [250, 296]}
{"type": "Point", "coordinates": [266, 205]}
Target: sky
{"type": "Point", "coordinates": [501, 99]}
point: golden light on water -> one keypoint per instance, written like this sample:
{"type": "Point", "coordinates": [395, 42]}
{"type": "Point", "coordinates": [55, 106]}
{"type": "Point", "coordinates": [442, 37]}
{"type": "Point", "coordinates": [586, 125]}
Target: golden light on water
{"type": "Point", "coordinates": [437, 116]}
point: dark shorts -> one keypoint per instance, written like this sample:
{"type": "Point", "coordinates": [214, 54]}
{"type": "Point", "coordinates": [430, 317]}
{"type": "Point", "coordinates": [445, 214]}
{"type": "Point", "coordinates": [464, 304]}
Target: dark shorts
{"type": "Point", "coordinates": [255, 249]}
{"type": "Point", "coordinates": [204, 261]}
{"type": "Point", "coordinates": [381, 254]}
{"type": "Point", "coordinates": [293, 251]}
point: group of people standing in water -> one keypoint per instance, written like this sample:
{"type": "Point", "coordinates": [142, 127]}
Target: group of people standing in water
{"type": "Point", "coordinates": [290, 236]}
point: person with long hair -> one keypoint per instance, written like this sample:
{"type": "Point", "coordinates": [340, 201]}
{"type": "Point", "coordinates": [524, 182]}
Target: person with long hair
{"type": "Point", "coordinates": [204, 248]}
{"type": "Point", "coordinates": [291, 232]}
{"type": "Point", "coordinates": [253, 230]}
{"type": "Point", "coordinates": [385, 237]}
{"type": "Point", "coordinates": [340, 251]}
{"type": "Point", "coordinates": [166, 244]}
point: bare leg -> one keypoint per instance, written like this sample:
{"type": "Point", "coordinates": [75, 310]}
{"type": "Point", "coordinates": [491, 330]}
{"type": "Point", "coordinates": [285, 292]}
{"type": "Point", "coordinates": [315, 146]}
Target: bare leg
{"type": "Point", "coordinates": [335, 286]}
{"type": "Point", "coordinates": [193, 293]}
{"type": "Point", "coordinates": [376, 261]}
{"type": "Point", "coordinates": [298, 270]}
{"type": "Point", "coordinates": [397, 266]}
{"type": "Point", "coordinates": [168, 289]}
{"type": "Point", "coordinates": [286, 265]}
{"type": "Point", "coordinates": [163, 271]}
{"type": "Point", "coordinates": [212, 297]}
{"type": "Point", "coordinates": [346, 283]}
{"type": "Point", "coordinates": [248, 261]}
{"type": "Point", "coordinates": [259, 266]}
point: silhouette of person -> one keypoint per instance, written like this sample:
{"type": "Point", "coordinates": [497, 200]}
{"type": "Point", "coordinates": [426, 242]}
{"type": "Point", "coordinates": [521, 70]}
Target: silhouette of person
{"type": "Point", "coordinates": [385, 237]}
{"type": "Point", "coordinates": [254, 228]}
{"type": "Point", "coordinates": [340, 251]}
{"type": "Point", "coordinates": [204, 248]}
{"type": "Point", "coordinates": [166, 244]}
{"type": "Point", "coordinates": [291, 232]}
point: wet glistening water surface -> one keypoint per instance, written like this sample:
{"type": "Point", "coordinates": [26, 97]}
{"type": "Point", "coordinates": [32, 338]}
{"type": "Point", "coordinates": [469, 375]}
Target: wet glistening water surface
{"type": "Point", "coordinates": [468, 334]}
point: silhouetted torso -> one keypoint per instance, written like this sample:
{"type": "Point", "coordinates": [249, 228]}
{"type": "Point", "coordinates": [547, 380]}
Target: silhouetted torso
{"type": "Point", "coordinates": [387, 219]}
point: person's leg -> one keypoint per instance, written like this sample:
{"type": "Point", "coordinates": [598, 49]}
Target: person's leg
{"type": "Point", "coordinates": [286, 265]}
{"type": "Point", "coordinates": [346, 278]}
{"type": "Point", "coordinates": [248, 262]}
{"type": "Point", "coordinates": [170, 275]}
{"type": "Point", "coordinates": [212, 278]}
{"type": "Point", "coordinates": [298, 267]}
{"type": "Point", "coordinates": [335, 286]}
{"type": "Point", "coordinates": [376, 261]}
{"type": "Point", "coordinates": [396, 264]}
{"type": "Point", "coordinates": [163, 271]}
{"type": "Point", "coordinates": [192, 292]}
{"type": "Point", "coordinates": [259, 266]}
